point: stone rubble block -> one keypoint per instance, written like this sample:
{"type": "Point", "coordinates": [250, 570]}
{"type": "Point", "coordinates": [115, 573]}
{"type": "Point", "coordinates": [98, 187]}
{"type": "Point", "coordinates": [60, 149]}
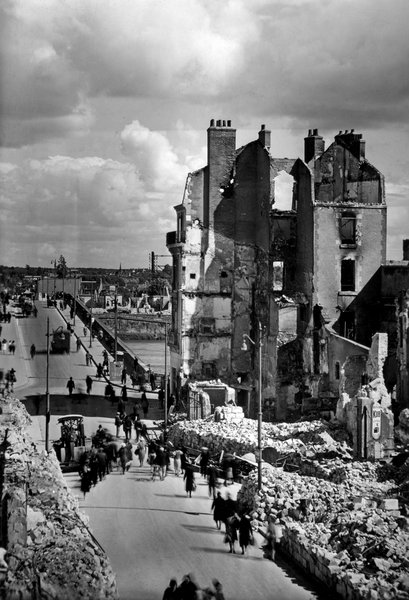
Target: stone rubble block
{"type": "Point", "coordinates": [52, 553]}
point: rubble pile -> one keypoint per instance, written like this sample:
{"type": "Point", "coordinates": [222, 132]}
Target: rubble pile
{"type": "Point", "coordinates": [304, 438]}
{"type": "Point", "coordinates": [50, 552]}
{"type": "Point", "coordinates": [350, 535]}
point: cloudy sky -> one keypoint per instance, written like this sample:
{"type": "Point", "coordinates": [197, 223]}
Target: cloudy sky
{"type": "Point", "coordinates": [104, 106]}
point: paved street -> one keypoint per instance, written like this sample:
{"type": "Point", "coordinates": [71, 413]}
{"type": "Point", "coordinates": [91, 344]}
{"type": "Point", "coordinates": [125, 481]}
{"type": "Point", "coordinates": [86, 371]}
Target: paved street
{"type": "Point", "coordinates": [150, 530]}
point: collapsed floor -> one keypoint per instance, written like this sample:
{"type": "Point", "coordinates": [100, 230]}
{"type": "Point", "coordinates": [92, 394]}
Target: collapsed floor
{"type": "Point", "coordinates": [346, 522]}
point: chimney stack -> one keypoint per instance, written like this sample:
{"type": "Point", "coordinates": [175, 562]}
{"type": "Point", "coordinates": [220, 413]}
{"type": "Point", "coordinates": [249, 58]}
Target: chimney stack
{"type": "Point", "coordinates": [314, 145]}
{"type": "Point", "coordinates": [221, 154]}
{"type": "Point", "coordinates": [264, 136]}
{"type": "Point", "coordinates": [406, 249]}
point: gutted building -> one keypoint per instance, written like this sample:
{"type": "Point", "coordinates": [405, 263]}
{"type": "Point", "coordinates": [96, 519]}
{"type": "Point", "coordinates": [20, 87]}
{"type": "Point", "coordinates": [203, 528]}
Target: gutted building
{"type": "Point", "coordinates": [249, 264]}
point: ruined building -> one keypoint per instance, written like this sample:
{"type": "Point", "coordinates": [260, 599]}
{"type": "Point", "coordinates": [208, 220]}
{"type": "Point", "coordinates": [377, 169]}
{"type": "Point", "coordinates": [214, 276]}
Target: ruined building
{"type": "Point", "coordinates": [276, 272]}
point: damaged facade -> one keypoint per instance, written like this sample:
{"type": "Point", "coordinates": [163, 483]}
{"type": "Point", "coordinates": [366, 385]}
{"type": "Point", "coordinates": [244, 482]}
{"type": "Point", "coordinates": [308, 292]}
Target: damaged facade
{"type": "Point", "coordinates": [247, 261]}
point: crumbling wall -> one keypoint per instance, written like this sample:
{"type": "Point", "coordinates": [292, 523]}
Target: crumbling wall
{"type": "Point", "coordinates": [367, 415]}
{"type": "Point", "coordinates": [50, 550]}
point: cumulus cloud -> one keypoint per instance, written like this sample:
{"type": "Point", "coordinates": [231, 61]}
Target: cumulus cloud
{"type": "Point", "coordinates": [289, 63]}
{"type": "Point", "coordinates": [91, 209]}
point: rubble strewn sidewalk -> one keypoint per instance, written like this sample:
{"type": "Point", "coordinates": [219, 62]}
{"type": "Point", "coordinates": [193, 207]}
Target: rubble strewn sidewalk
{"type": "Point", "coordinates": [343, 522]}
{"type": "Point", "coordinates": [50, 551]}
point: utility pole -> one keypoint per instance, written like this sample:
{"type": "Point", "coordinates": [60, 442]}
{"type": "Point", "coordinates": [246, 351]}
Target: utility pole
{"type": "Point", "coordinates": [259, 345]}
{"type": "Point", "coordinates": [47, 391]}
{"type": "Point", "coordinates": [116, 325]}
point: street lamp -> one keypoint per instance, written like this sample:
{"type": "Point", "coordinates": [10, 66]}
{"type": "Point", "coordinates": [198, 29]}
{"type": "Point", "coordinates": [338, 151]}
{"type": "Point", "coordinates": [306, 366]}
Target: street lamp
{"type": "Point", "coordinates": [259, 345]}
{"type": "Point", "coordinates": [47, 391]}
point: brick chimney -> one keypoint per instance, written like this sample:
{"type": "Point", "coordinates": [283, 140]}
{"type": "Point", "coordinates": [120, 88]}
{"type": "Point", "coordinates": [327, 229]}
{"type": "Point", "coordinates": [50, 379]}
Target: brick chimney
{"type": "Point", "coordinates": [314, 145]}
{"type": "Point", "coordinates": [221, 154]}
{"type": "Point", "coordinates": [406, 249]}
{"type": "Point", "coordinates": [264, 136]}
{"type": "Point", "coordinates": [353, 141]}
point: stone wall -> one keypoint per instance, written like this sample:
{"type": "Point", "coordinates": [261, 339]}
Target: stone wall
{"type": "Point", "coordinates": [51, 553]}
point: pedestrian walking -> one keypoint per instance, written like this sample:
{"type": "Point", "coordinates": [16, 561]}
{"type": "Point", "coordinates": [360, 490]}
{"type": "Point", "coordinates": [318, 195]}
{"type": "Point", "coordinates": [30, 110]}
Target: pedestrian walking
{"type": "Point", "coordinates": [13, 347]}
{"type": "Point", "coordinates": [177, 461]}
{"type": "Point", "coordinates": [141, 451]}
{"type": "Point", "coordinates": [161, 461]}
{"type": "Point", "coordinates": [231, 532]}
{"type": "Point", "coordinates": [218, 590]}
{"type": "Point", "coordinates": [123, 376]}
{"type": "Point", "coordinates": [204, 460]}
{"type": "Point", "coordinates": [161, 398]}
{"type": "Point", "coordinates": [129, 454]}
{"type": "Point", "coordinates": [245, 533]}
{"type": "Point", "coordinates": [70, 385]}
{"type": "Point", "coordinates": [86, 478]}
{"type": "Point", "coordinates": [274, 534]}
{"type": "Point", "coordinates": [88, 381]}
{"type": "Point", "coordinates": [138, 428]}
{"type": "Point", "coordinates": [122, 455]}
{"type": "Point", "coordinates": [35, 312]}
{"type": "Point", "coordinates": [78, 344]}
{"type": "Point", "coordinates": [170, 592]}
{"type": "Point", "coordinates": [87, 359]}
{"type": "Point", "coordinates": [118, 423]}
{"type": "Point", "coordinates": [212, 479]}
{"type": "Point", "coordinates": [144, 404]}
{"type": "Point", "coordinates": [218, 507]}
{"type": "Point", "coordinates": [102, 463]}
{"type": "Point", "coordinates": [127, 425]}
{"type": "Point", "coordinates": [100, 371]}
{"type": "Point", "coordinates": [124, 393]}
{"type": "Point", "coordinates": [32, 351]}
{"type": "Point", "coordinates": [111, 452]}
{"type": "Point", "coordinates": [189, 478]}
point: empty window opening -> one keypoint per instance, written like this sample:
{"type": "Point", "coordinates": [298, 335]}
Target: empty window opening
{"type": "Point", "coordinates": [348, 276]}
{"type": "Point", "coordinates": [209, 370]}
{"type": "Point", "coordinates": [223, 274]}
{"type": "Point", "coordinates": [278, 275]}
{"type": "Point", "coordinates": [348, 228]}
{"type": "Point", "coordinates": [192, 275]}
{"type": "Point", "coordinates": [283, 191]}
{"type": "Point", "coordinates": [337, 370]}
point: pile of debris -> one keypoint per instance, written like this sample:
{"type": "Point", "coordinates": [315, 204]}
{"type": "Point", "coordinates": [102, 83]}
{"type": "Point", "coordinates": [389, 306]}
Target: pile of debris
{"type": "Point", "coordinates": [309, 439]}
{"type": "Point", "coordinates": [50, 549]}
{"type": "Point", "coordinates": [351, 535]}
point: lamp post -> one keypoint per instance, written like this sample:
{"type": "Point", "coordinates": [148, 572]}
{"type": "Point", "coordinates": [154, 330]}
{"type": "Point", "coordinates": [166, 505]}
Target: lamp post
{"type": "Point", "coordinates": [75, 297]}
{"type": "Point", "coordinates": [166, 380]}
{"type": "Point", "coordinates": [90, 324]}
{"type": "Point", "coordinates": [258, 344]}
{"type": "Point", "coordinates": [116, 325]}
{"type": "Point", "coordinates": [47, 391]}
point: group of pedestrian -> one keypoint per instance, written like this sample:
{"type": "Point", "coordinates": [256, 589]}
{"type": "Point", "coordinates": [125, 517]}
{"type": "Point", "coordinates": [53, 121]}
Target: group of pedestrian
{"type": "Point", "coordinates": [5, 317]}
{"type": "Point", "coordinates": [9, 346]}
{"type": "Point", "coordinates": [188, 589]}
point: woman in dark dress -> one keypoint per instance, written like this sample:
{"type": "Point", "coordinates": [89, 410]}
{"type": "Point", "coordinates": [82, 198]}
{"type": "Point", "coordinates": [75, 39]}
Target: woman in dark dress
{"type": "Point", "coordinates": [189, 477]}
{"type": "Point", "coordinates": [245, 532]}
{"type": "Point", "coordinates": [218, 510]}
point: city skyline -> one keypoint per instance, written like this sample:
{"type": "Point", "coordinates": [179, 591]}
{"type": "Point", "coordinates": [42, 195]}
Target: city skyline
{"type": "Point", "coordinates": [104, 108]}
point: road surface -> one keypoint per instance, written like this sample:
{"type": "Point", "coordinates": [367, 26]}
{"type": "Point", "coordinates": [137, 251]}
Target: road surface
{"type": "Point", "coordinates": [149, 529]}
